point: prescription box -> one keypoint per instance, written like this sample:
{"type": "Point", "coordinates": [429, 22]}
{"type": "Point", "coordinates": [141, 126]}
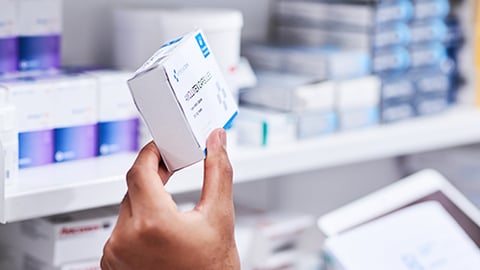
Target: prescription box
{"type": "Point", "coordinates": [40, 28]}
{"type": "Point", "coordinates": [182, 96]}
{"type": "Point", "coordinates": [74, 116]}
{"type": "Point", "coordinates": [8, 36]}
{"type": "Point", "coordinates": [289, 92]}
{"type": "Point", "coordinates": [65, 238]}
{"type": "Point", "coordinates": [118, 118]}
{"type": "Point", "coordinates": [264, 127]}
{"type": "Point", "coordinates": [34, 102]}
{"type": "Point", "coordinates": [358, 102]}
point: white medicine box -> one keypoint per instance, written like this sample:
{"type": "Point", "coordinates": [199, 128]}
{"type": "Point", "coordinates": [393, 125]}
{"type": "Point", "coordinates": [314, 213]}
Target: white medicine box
{"type": "Point", "coordinates": [182, 96]}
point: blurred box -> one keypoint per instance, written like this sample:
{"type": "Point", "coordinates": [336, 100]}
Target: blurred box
{"type": "Point", "coordinates": [427, 9]}
{"type": "Point", "coordinates": [75, 116]}
{"type": "Point", "coordinates": [139, 31]}
{"type": "Point", "coordinates": [289, 92]}
{"type": "Point", "coordinates": [118, 118]}
{"type": "Point", "coordinates": [66, 238]}
{"type": "Point", "coordinates": [358, 102]}
{"type": "Point", "coordinates": [263, 127]}
{"type": "Point", "coordinates": [34, 102]}
{"type": "Point", "coordinates": [8, 36]}
{"type": "Point", "coordinates": [40, 30]}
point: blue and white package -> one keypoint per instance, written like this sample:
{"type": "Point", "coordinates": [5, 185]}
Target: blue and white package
{"type": "Point", "coordinates": [397, 88]}
{"type": "Point", "coordinates": [264, 127]}
{"type": "Point", "coordinates": [290, 92]}
{"type": "Point", "coordinates": [428, 55]}
{"type": "Point", "coordinates": [393, 11]}
{"type": "Point", "coordinates": [396, 34]}
{"type": "Point", "coordinates": [182, 96]}
{"type": "Point", "coordinates": [291, 59]}
{"type": "Point", "coordinates": [118, 118]}
{"type": "Point", "coordinates": [315, 124]}
{"type": "Point", "coordinates": [427, 105]}
{"type": "Point", "coordinates": [429, 31]}
{"type": "Point", "coordinates": [8, 36]}
{"type": "Point", "coordinates": [431, 81]}
{"type": "Point", "coordinates": [34, 104]}
{"type": "Point", "coordinates": [75, 116]}
{"type": "Point", "coordinates": [349, 63]}
{"type": "Point", "coordinates": [395, 59]}
{"type": "Point", "coordinates": [358, 102]}
{"type": "Point", "coordinates": [40, 27]}
{"type": "Point", "coordinates": [427, 9]}
{"type": "Point", "coordinates": [397, 111]}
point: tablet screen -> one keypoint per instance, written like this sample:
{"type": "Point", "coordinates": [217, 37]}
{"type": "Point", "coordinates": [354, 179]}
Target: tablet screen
{"type": "Point", "coordinates": [467, 224]}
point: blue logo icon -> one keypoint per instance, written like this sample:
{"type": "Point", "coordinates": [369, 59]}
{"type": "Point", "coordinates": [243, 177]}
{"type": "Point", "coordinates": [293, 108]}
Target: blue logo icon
{"type": "Point", "coordinates": [203, 46]}
{"type": "Point", "coordinates": [175, 75]}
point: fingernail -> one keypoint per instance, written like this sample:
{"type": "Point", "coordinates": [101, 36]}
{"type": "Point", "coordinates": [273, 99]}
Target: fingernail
{"type": "Point", "coordinates": [222, 136]}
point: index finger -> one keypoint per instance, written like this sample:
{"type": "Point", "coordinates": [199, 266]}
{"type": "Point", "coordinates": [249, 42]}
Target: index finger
{"type": "Point", "coordinates": [145, 180]}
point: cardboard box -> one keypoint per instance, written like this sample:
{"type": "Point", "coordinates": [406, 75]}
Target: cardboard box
{"type": "Point", "coordinates": [358, 102]}
{"type": "Point", "coordinates": [40, 28]}
{"type": "Point", "coordinates": [118, 119]}
{"type": "Point", "coordinates": [35, 106]}
{"type": "Point", "coordinates": [74, 117]}
{"type": "Point", "coordinates": [8, 36]}
{"type": "Point", "coordinates": [182, 96]}
{"type": "Point", "coordinates": [292, 93]}
{"type": "Point", "coordinates": [263, 127]}
{"type": "Point", "coordinates": [66, 238]}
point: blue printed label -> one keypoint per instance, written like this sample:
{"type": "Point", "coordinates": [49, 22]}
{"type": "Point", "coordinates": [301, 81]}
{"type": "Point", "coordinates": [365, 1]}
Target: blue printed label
{"type": "Point", "coordinates": [75, 143]}
{"type": "Point", "coordinates": [118, 136]}
{"type": "Point", "coordinates": [35, 148]}
{"type": "Point", "coordinates": [203, 46]}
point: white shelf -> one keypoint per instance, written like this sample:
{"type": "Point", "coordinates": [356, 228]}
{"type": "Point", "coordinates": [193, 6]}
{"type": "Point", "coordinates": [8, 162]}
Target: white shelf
{"type": "Point", "coordinates": [97, 182]}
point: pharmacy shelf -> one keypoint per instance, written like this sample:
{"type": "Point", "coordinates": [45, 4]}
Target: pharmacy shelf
{"type": "Point", "coordinates": [93, 183]}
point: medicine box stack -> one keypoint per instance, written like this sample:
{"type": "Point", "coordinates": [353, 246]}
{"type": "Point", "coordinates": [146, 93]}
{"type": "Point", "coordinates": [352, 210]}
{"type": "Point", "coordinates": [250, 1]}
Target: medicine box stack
{"type": "Point", "coordinates": [71, 116]}
{"type": "Point", "coordinates": [309, 103]}
{"type": "Point", "coordinates": [62, 242]}
{"type": "Point", "coordinates": [406, 40]}
{"type": "Point", "coordinates": [8, 36]}
{"type": "Point", "coordinates": [118, 119]}
{"type": "Point", "coordinates": [40, 27]}
{"type": "Point", "coordinates": [34, 105]}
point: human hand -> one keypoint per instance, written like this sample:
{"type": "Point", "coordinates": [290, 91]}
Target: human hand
{"type": "Point", "coordinates": [151, 234]}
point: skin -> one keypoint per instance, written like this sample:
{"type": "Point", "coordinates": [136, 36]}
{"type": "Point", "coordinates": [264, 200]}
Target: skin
{"type": "Point", "coordinates": [151, 234]}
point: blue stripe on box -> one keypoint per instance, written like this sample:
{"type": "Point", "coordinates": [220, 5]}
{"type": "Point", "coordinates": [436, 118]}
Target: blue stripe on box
{"type": "Point", "coordinates": [229, 123]}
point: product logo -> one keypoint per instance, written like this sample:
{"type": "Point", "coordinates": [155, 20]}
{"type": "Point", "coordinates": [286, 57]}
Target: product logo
{"type": "Point", "coordinates": [177, 73]}
{"type": "Point", "coordinates": [203, 46]}
{"type": "Point", "coordinates": [70, 231]}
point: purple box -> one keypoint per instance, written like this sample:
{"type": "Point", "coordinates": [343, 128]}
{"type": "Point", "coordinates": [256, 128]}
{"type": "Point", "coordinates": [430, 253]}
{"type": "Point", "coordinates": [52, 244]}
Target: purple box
{"type": "Point", "coordinates": [38, 52]}
{"type": "Point", "coordinates": [74, 143]}
{"type": "Point", "coordinates": [35, 148]}
{"type": "Point", "coordinates": [8, 55]}
{"type": "Point", "coordinates": [118, 136]}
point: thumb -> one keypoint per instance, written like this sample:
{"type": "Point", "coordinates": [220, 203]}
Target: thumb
{"type": "Point", "coordinates": [218, 174]}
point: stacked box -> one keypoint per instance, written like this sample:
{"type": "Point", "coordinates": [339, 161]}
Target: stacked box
{"type": "Point", "coordinates": [40, 27]}
{"type": "Point", "coordinates": [8, 36]}
{"type": "Point", "coordinates": [34, 105]}
{"type": "Point", "coordinates": [118, 119]}
{"type": "Point", "coordinates": [407, 40]}
{"type": "Point", "coordinates": [61, 242]}
{"type": "Point", "coordinates": [309, 102]}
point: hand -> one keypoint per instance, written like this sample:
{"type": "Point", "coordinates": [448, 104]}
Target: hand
{"type": "Point", "coordinates": [151, 234]}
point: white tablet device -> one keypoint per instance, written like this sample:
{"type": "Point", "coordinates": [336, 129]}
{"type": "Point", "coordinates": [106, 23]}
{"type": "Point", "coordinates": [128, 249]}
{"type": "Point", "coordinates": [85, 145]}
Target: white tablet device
{"type": "Point", "coordinates": [427, 185]}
